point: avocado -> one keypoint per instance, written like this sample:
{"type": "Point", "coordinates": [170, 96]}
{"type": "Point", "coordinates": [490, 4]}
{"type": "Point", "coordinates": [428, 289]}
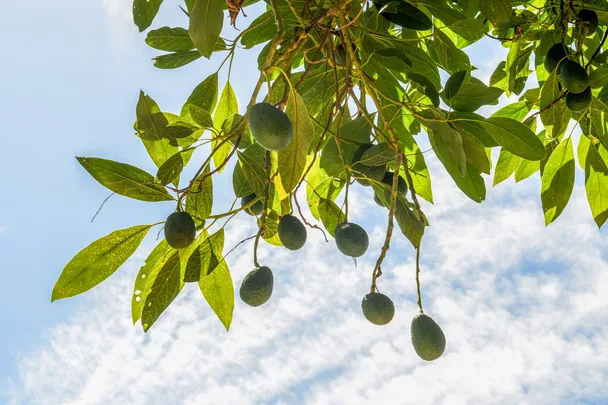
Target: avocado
{"type": "Point", "coordinates": [427, 337]}
{"type": "Point", "coordinates": [180, 230]}
{"type": "Point", "coordinates": [270, 127]}
{"type": "Point", "coordinates": [256, 208]}
{"type": "Point", "coordinates": [292, 232]}
{"type": "Point", "coordinates": [574, 76]}
{"type": "Point", "coordinates": [351, 239]}
{"type": "Point", "coordinates": [555, 54]}
{"type": "Point", "coordinates": [579, 102]}
{"type": "Point", "coordinates": [364, 172]}
{"type": "Point", "coordinates": [378, 308]}
{"type": "Point", "coordinates": [256, 287]}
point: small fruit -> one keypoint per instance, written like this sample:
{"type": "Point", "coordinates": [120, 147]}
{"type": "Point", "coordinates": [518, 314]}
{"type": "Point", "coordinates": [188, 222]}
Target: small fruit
{"type": "Point", "coordinates": [256, 287]}
{"type": "Point", "coordinates": [579, 102]}
{"type": "Point", "coordinates": [370, 172]}
{"type": "Point", "coordinates": [555, 54]}
{"type": "Point", "coordinates": [292, 232]}
{"type": "Point", "coordinates": [574, 76]}
{"type": "Point", "coordinates": [589, 20]}
{"type": "Point", "coordinates": [351, 239]}
{"type": "Point", "coordinates": [180, 230]}
{"type": "Point", "coordinates": [270, 127]}
{"type": "Point", "coordinates": [256, 208]}
{"type": "Point", "coordinates": [388, 180]}
{"type": "Point", "coordinates": [427, 337]}
{"type": "Point", "coordinates": [378, 308]}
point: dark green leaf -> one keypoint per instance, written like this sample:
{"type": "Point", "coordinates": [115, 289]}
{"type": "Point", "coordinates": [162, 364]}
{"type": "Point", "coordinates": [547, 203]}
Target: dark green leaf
{"type": "Point", "coordinates": [253, 166]}
{"type": "Point", "coordinates": [175, 60]}
{"type": "Point", "coordinates": [203, 96]}
{"type": "Point", "coordinates": [497, 11]}
{"type": "Point", "coordinates": [378, 155]}
{"type": "Point", "coordinates": [144, 12]}
{"type": "Point", "coordinates": [171, 169]}
{"type": "Point", "coordinates": [453, 84]}
{"type": "Point", "coordinates": [515, 137]}
{"type": "Point", "coordinates": [200, 198]}
{"type": "Point", "coordinates": [599, 77]}
{"type": "Point", "coordinates": [205, 257]}
{"type": "Point", "coordinates": [98, 261]}
{"type": "Point", "coordinates": [125, 179]}
{"type": "Point", "coordinates": [163, 290]}
{"type": "Point", "coordinates": [206, 21]}
{"type": "Point", "coordinates": [180, 129]}
{"type": "Point", "coordinates": [331, 215]}
{"type": "Point", "coordinates": [408, 222]}
{"type": "Point", "coordinates": [472, 96]}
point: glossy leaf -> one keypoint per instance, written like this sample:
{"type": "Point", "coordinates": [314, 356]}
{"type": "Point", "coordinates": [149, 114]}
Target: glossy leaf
{"type": "Point", "coordinates": [98, 261]}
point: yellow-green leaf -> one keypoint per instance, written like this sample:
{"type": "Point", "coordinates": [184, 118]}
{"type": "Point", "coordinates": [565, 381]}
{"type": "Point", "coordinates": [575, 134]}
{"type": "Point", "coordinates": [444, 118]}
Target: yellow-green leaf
{"type": "Point", "coordinates": [227, 106]}
{"type": "Point", "coordinates": [596, 185]}
{"type": "Point", "coordinates": [164, 289]}
{"type": "Point", "coordinates": [558, 180]}
{"type": "Point", "coordinates": [151, 266]}
{"type": "Point", "coordinates": [98, 261]}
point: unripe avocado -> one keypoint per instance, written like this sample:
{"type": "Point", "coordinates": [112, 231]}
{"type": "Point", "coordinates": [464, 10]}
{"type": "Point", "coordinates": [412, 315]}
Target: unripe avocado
{"type": "Point", "coordinates": [256, 208]}
{"type": "Point", "coordinates": [292, 232]}
{"type": "Point", "coordinates": [351, 239]}
{"type": "Point", "coordinates": [371, 172]}
{"type": "Point", "coordinates": [579, 102]}
{"type": "Point", "coordinates": [270, 127]}
{"type": "Point", "coordinates": [589, 20]}
{"type": "Point", "coordinates": [555, 54]}
{"type": "Point", "coordinates": [427, 337]}
{"type": "Point", "coordinates": [256, 287]}
{"type": "Point", "coordinates": [574, 76]}
{"type": "Point", "coordinates": [388, 180]}
{"type": "Point", "coordinates": [180, 230]}
{"type": "Point", "coordinates": [378, 308]}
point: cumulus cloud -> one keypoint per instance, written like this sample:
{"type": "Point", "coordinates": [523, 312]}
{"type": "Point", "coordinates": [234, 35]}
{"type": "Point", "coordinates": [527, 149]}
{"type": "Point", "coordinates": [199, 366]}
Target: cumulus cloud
{"type": "Point", "coordinates": [523, 308]}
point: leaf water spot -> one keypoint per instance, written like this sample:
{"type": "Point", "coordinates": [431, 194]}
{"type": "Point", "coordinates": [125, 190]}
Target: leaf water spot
{"type": "Point", "coordinates": [137, 292]}
{"type": "Point", "coordinates": [149, 304]}
{"type": "Point", "coordinates": [137, 299]}
{"type": "Point", "coordinates": [143, 276]}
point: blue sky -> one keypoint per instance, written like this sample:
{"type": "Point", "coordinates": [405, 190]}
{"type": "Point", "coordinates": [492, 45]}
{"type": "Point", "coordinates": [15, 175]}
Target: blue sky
{"type": "Point", "coordinates": [524, 308]}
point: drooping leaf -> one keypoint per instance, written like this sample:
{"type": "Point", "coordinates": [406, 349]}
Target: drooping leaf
{"type": "Point", "coordinates": [292, 160]}
{"type": "Point", "coordinates": [596, 185]}
{"type": "Point", "coordinates": [172, 168]}
{"type": "Point", "coordinates": [200, 116]}
{"type": "Point", "coordinates": [227, 106]}
{"type": "Point", "coordinates": [144, 12]}
{"type": "Point", "coordinates": [558, 180]}
{"type": "Point", "coordinates": [163, 290]}
{"type": "Point", "coordinates": [203, 96]}
{"type": "Point", "coordinates": [142, 286]}
{"type": "Point", "coordinates": [408, 222]}
{"type": "Point", "coordinates": [331, 215]}
{"type": "Point", "coordinates": [199, 201]}
{"type": "Point", "coordinates": [472, 96]}
{"type": "Point", "coordinates": [253, 167]}
{"type": "Point", "coordinates": [453, 84]}
{"type": "Point", "coordinates": [125, 179]}
{"type": "Point", "coordinates": [218, 290]}
{"type": "Point", "coordinates": [515, 137]}
{"type": "Point", "coordinates": [205, 257]}
{"type": "Point", "coordinates": [507, 165]}
{"type": "Point", "coordinates": [206, 21]}
{"type": "Point", "coordinates": [175, 60]}
{"type": "Point", "coordinates": [98, 261]}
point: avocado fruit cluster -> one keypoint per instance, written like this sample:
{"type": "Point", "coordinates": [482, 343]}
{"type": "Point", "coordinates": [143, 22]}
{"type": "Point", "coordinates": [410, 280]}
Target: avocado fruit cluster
{"type": "Point", "coordinates": [573, 76]}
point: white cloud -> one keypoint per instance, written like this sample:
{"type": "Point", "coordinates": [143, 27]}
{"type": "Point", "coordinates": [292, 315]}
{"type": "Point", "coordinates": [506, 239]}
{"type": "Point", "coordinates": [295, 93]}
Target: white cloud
{"type": "Point", "coordinates": [523, 308]}
{"type": "Point", "coordinates": [120, 22]}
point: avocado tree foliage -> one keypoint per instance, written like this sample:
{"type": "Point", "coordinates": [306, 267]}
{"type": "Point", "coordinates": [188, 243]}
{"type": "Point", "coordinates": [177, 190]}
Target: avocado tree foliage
{"type": "Point", "coordinates": [345, 91]}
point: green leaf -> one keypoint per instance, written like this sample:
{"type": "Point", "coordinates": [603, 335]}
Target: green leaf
{"type": "Point", "coordinates": [515, 137]}
{"type": "Point", "coordinates": [507, 165]}
{"type": "Point", "coordinates": [170, 39]}
{"type": "Point", "coordinates": [261, 30]}
{"type": "Point", "coordinates": [206, 21]}
{"type": "Point", "coordinates": [331, 215]}
{"type": "Point", "coordinates": [408, 222]}
{"type": "Point", "coordinates": [599, 77]}
{"type": "Point", "coordinates": [582, 150]}
{"type": "Point", "coordinates": [292, 160]}
{"type": "Point", "coordinates": [453, 84]}
{"type": "Point", "coordinates": [175, 60]}
{"type": "Point", "coordinates": [144, 12]}
{"type": "Point", "coordinates": [497, 11]}
{"type": "Point", "coordinates": [200, 198]}
{"type": "Point", "coordinates": [142, 286]}
{"type": "Point", "coordinates": [378, 155]}
{"type": "Point", "coordinates": [205, 257]}
{"type": "Point", "coordinates": [125, 179]}
{"type": "Point", "coordinates": [596, 185]}
{"type": "Point", "coordinates": [475, 153]}
{"type": "Point", "coordinates": [227, 106]}
{"type": "Point", "coordinates": [98, 261]}
{"type": "Point", "coordinates": [558, 180]}
{"type": "Point", "coordinates": [517, 111]}
{"type": "Point", "coordinates": [473, 96]}
{"type": "Point", "coordinates": [320, 185]}
{"type": "Point", "coordinates": [448, 146]}
{"type": "Point", "coordinates": [253, 166]}
{"type": "Point", "coordinates": [149, 118]}
{"type": "Point", "coordinates": [200, 116]}
{"type": "Point", "coordinates": [526, 169]}
{"type": "Point", "coordinates": [180, 129]}
{"type": "Point", "coordinates": [172, 168]}
{"type": "Point", "coordinates": [203, 96]}
{"type": "Point", "coordinates": [164, 289]}
{"type": "Point", "coordinates": [218, 290]}
{"type": "Point", "coordinates": [473, 124]}
{"type": "Point", "coordinates": [552, 113]}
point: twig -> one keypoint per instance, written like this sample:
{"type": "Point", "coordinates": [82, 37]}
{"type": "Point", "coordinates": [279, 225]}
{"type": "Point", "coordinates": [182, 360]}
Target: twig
{"type": "Point", "coordinates": [102, 204]}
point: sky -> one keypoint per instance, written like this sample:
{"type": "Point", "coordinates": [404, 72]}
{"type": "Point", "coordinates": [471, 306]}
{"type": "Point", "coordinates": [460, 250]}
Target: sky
{"type": "Point", "coordinates": [524, 307]}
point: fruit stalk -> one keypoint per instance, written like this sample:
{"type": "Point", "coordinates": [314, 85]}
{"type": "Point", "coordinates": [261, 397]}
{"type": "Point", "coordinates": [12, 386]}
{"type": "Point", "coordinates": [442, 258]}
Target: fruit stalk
{"type": "Point", "coordinates": [264, 210]}
{"type": "Point", "coordinates": [419, 302]}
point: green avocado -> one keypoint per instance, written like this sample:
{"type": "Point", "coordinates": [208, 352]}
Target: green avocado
{"type": "Point", "coordinates": [180, 230]}
{"type": "Point", "coordinates": [256, 287]}
{"type": "Point", "coordinates": [388, 180]}
{"type": "Point", "coordinates": [292, 232]}
{"type": "Point", "coordinates": [555, 54]}
{"type": "Point", "coordinates": [351, 239]}
{"type": "Point", "coordinates": [574, 76]}
{"type": "Point", "coordinates": [256, 208]}
{"type": "Point", "coordinates": [579, 102]}
{"type": "Point", "coordinates": [589, 20]}
{"type": "Point", "coordinates": [427, 337]}
{"type": "Point", "coordinates": [363, 172]}
{"type": "Point", "coordinates": [270, 127]}
{"type": "Point", "coordinates": [403, 14]}
{"type": "Point", "coordinates": [378, 308]}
